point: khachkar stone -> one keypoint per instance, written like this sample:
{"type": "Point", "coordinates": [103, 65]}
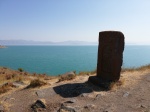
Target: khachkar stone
{"type": "Point", "coordinates": [110, 57]}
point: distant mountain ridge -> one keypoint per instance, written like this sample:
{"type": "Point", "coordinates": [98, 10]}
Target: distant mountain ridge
{"type": "Point", "coordinates": [29, 42]}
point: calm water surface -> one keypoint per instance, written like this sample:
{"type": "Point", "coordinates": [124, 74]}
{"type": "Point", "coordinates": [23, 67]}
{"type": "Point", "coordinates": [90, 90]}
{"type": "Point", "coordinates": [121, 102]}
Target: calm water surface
{"type": "Point", "coordinates": [55, 60]}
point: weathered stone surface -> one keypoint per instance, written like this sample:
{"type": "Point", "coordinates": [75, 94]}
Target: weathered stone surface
{"type": "Point", "coordinates": [18, 84]}
{"type": "Point", "coordinates": [110, 58]}
{"type": "Point", "coordinates": [110, 54]}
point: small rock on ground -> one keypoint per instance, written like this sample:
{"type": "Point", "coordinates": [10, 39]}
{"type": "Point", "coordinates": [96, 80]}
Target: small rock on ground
{"type": "Point", "coordinates": [1, 108]}
{"type": "Point", "coordinates": [66, 109]}
{"type": "Point", "coordinates": [70, 101]}
{"type": "Point", "coordinates": [38, 106]}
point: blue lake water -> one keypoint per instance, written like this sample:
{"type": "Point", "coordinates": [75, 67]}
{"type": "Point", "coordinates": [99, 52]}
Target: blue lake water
{"type": "Point", "coordinates": [55, 60]}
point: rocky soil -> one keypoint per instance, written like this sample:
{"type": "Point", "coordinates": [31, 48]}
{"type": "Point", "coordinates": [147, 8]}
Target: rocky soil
{"type": "Point", "coordinates": [78, 95]}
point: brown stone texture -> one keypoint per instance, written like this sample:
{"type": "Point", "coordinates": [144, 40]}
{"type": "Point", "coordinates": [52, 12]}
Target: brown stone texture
{"type": "Point", "coordinates": [110, 55]}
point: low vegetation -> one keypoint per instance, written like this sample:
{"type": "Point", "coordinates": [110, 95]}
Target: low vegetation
{"type": "Point", "coordinates": [142, 68]}
{"type": "Point", "coordinates": [8, 76]}
{"type": "Point", "coordinates": [66, 77]}
{"type": "Point", "coordinates": [36, 83]}
{"type": "Point", "coordinates": [115, 85]}
{"type": "Point", "coordinates": [20, 70]}
{"type": "Point", "coordinates": [87, 72]}
{"type": "Point", "coordinates": [6, 87]}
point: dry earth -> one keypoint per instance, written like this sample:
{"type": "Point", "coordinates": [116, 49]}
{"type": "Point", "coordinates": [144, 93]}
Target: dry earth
{"type": "Point", "coordinates": [78, 95]}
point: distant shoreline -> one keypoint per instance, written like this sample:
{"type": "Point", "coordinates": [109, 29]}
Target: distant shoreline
{"type": "Point", "coordinates": [2, 46]}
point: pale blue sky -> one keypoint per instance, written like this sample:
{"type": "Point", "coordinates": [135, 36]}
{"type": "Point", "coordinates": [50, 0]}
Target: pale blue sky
{"type": "Point", "coordinates": [62, 20]}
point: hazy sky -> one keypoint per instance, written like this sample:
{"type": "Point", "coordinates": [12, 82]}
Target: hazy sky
{"type": "Point", "coordinates": [62, 20]}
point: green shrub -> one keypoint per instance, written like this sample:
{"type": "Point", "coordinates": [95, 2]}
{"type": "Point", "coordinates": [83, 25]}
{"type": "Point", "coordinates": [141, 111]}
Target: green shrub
{"type": "Point", "coordinates": [20, 70]}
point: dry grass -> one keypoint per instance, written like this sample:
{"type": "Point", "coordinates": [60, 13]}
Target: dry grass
{"type": "Point", "coordinates": [6, 87]}
{"type": "Point", "coordinates": [145, 67]}
{"type": "Point", "coordinates": [115, 85]}
{"type": "Point", "coordinates": [9, 76]}
{"type": "Point", "coordinates": [36, 83]}
{"type": "Point", "coordinates": [87, 72]}
{"type": "Point", "coordinates": [66, 77]}
{"type": "Point", "coordinates": [142, 68]}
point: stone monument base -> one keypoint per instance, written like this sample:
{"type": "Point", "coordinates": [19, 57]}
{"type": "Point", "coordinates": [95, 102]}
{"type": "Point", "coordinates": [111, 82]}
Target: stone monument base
{"type": "Point", "coordinates": [99, 82]}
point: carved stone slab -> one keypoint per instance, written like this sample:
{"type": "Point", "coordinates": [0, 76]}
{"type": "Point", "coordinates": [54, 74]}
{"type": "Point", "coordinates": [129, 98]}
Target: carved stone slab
{"type": "Point", "coordinates": [110, 55]}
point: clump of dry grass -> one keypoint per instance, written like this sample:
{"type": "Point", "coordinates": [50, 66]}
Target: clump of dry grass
{"type": "Point", "coordinates": [36, 83]}
{"type": "Point", "coordinates": [66, 77]}
{"type": "Point", "coordinates": [42, 76]}
{"type": "Point", "coordinates": [84, 73]}
{"type": "Point", "coordinates": [115, 85]}
{"type": "Point", "coordinates": [6, 87]}
{"type": "Point", "coordinates": [25, 73]}
{"type": "Point", "coordinates": [14, 77]}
